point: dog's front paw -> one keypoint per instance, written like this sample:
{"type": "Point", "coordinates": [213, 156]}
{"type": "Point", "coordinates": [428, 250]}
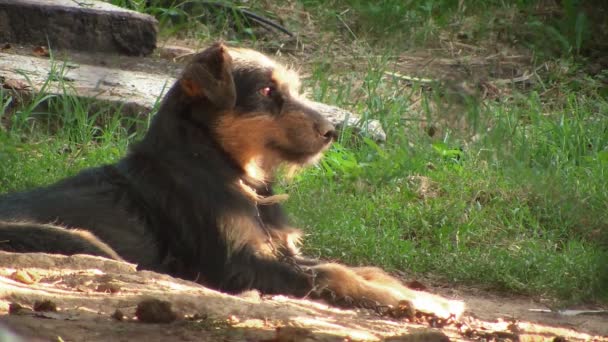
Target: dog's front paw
{"type": "Point", "coordinates": [437, 305]}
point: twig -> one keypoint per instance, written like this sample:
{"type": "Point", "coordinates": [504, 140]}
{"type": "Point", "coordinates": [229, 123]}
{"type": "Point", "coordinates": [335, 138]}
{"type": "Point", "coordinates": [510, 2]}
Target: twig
{"type": "Point", "coordinates": [267, 23]}
{"type": "Point", "coordinates": [523, 78]}
{"type": "Point", "coordinates": [346, 25]}
{"type": "Point", "coordinates": [468, 46]}
{"type": "Point", "coordinates": [504, 81]}
{"type": "Point", "coordinates": [409, 78]}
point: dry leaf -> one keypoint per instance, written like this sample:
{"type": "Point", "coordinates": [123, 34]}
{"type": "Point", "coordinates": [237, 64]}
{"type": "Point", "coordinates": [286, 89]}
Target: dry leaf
{"type": "Point", "coordinates": [416, 285]}
{"type": "Point", "coordinates": [24, 277]}
{"type": "Point", "coordinates": [232, 320]}
{"type": "Point", "coordinates": [14, 84]}
{"type": "Point", "coordinates": [41, 51]}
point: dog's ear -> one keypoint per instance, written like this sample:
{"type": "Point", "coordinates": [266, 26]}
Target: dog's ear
{"type": "Point", "coordinates": [209, 76]}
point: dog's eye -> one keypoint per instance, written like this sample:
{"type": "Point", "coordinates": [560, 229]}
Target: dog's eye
{"type": "Point", "coordinates": [267, 91]}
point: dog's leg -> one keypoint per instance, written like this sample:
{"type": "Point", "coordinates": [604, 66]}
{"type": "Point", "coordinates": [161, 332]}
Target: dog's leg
{"type": "Point", "coordinates": [377, 275]}
{"type": "Point", "coordinates": [332, 282]}
{"type": "Point", "coordinates": [267, 276]}
{"type": "Point", "coordinates": [364, 286]}
{"type": "Point", "coordinates": [26, 237]}
{"type": "Point", "coordinates": [337, 284]}
{"type": "Point", "coordinates": [342, 285]}
{"type": "Point", "coordinates": [420, 300]}
{"type": "Point", "coordinates": [370, 287]}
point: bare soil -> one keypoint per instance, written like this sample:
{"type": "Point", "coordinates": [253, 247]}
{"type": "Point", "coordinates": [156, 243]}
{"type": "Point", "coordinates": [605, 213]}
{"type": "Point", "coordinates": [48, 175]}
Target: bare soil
{"type": "Point", "coordinates": [84, 298]}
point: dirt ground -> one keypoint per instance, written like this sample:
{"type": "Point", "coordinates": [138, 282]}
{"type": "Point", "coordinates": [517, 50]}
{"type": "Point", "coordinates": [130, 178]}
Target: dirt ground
{"type": "Point", "coordinates": [83, 298]}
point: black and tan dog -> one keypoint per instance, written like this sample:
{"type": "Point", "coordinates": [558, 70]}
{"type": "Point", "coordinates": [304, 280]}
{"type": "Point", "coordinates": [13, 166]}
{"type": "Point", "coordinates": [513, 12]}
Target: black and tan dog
{"type": "Point", "coordinates": [194, 198]}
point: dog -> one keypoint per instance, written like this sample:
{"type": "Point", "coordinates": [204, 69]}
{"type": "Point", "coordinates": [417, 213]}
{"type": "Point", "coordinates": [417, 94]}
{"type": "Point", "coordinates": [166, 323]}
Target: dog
{"type": "Point", "coordinates": [194, 197]}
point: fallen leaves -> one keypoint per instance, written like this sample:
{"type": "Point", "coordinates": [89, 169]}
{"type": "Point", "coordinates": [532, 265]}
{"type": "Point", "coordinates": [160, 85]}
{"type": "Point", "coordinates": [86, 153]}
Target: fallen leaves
{"type": "Point", "coordinates": [25, 277]}
{"type": "Point", "coordinates": [41, 51]}
{"type": "Point", "coordinates": [14, 84]}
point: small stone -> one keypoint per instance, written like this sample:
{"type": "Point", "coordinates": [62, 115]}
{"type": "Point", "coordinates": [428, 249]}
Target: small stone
{"type": "Point", "coordinates": [109, 287]}
{"type": "Point", "coordinates": [155, 311]}
{"type": "Point", "coordinates": [118, 315]}
{"type": "Point", "coordinates": [18, 309]}
{"type": "Point", "coordinates": [45, 305]}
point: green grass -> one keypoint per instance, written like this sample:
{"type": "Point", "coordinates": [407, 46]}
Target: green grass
{"type": "Point", "coordinates": [572, 27]}
{"type": "Point", "coordinates": [49, 137]}
{"type": "Point", "coordinates": [521, 207]}
{"type": "Point", "coordinates": [522, 210]}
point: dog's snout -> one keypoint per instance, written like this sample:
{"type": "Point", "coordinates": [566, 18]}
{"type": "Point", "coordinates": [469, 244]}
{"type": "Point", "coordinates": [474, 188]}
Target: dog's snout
{"type": "Point", "coordinates": [326, 130]}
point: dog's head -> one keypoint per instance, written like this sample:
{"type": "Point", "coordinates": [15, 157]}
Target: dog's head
{"type": "Point", "coordinates": [252, 107]}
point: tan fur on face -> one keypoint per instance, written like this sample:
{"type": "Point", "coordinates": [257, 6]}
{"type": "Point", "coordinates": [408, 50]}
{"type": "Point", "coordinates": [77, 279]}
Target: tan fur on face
{"type": "Point", "coordinates": [280, 74]}
{"type": "Point", "coordinates": [245, 138]}
{"type": "Point", "coordinates": [287, 81]}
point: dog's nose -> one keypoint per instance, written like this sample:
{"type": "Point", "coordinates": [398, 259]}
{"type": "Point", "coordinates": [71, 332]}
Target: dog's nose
{"type": "Point", "coordinates": [326, 130]}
